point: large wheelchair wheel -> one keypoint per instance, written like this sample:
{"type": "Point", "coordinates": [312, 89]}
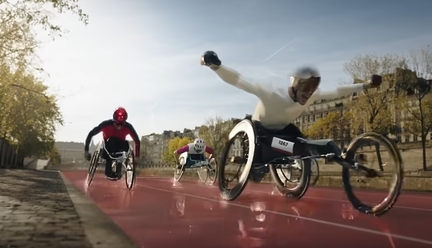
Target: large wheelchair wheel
{"type": "Point", "coordinates": [242, 139]}
{"type": "Point", "coordinates": [178, 172]}
{"type": "Point", "coordinates": [130, 172]}
{"type": "Point", "coordinates": [92, 167]}
{"type": "Point", "coordinates": [393, 170]}
{"type": "Point", "coordinates": [289, 187]}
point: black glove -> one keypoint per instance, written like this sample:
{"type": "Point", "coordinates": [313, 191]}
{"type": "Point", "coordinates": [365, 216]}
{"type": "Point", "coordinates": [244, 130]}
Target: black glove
{"type": "Point", "coordinates": [210, 58]}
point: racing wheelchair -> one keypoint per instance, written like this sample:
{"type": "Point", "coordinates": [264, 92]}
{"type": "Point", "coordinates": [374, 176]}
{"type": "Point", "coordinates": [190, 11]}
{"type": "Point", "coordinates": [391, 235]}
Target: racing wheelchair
{"type": "Point", "coordinates": [205, 167]}
{"type": "Point", "coordinates": [263, 151]}
{"type": "Point", "coordinates": [121, 159]}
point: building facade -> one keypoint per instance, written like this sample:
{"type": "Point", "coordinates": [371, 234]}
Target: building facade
{"type": "Point", "coordinates": [70, 152]}
{"type": "Point", "coordinates": [321, 109]}
{"type": "Point", "coordinates": [154, 145]}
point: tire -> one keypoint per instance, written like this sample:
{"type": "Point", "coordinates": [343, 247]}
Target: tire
{"type": "Point", "coordinates": [178, 173]}
{"type": "Point", "coordinates": [314, 174]}
{"type": "Point", "coordinates": [92, 167]}
{"type": "Point", "coordinates": [130, 179]}
{"type": "Point", "coordinates": [245, 127]}
{"type": "Point", "coordinates": [300, 189]}
{"type": "Point", "coordinates": [395, 188]}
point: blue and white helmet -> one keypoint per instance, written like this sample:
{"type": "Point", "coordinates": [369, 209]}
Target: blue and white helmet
{"type": "Point", "coordinates": [199, 144]}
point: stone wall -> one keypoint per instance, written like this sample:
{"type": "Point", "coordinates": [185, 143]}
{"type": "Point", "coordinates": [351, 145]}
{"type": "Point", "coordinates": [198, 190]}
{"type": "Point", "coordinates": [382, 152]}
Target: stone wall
{"type": "Point", "coordinates": [412, 159]}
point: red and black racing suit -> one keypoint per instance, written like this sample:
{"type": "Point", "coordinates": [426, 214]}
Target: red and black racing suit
{"type": "Point", "coordinates": [115, 141]}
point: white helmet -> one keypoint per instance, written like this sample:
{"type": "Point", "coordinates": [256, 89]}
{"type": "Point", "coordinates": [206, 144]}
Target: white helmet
{"type": "Point", "coordinates": [199, 144]}
{"type": "Point", "coordinates": [303, 75]}
{"type": "Point", "coordinates": [306, 79]}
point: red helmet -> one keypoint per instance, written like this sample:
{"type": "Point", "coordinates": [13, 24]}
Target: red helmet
{"type": "Point", "coordinates": [120, 115]}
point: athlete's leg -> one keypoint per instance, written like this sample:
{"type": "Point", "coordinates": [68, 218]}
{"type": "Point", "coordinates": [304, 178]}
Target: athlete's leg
{"type": "Point", "coordinates": [188, 162]}
{"type": "Point", "coordinates": [108, 165]}
{"type": "Point", "coordinates": [290, 130]}
{"type": "Point", "coordinates": [110, 147]}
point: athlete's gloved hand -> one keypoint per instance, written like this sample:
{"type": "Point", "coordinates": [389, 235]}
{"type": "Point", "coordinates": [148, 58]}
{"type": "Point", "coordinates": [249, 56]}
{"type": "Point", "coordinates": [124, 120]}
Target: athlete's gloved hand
{"type": "Point", "coordinates": [375, 81]}
{"type": "Point", "coordinates": [87, 155]}
{"type": "Point", "coordinates": [210, 58]}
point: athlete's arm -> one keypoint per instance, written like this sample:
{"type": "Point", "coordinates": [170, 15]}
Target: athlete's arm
{"type": "Point", "coordinates": [341, 91]}
{"type": "Point", "coordinates": [209, 150]}
{"type": "Point", "coordinates": [182, 149]}
{"type": "Point", "coordinates": [94, 132]}
{"type": "Point", "coordinates": [234, 78]}
{"type": "Point", "coordinates": [135, 138]}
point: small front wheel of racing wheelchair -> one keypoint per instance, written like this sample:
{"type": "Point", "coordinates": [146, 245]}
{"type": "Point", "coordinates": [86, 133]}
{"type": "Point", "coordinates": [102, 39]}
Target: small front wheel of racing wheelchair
{"type": "Point", "coordinates": [378, 157]}
{"type": "Point", "coordinates": [287, 181]}
{"type": "Point", "coordinates": [208, 173]}
{"type": "Point", "coordinates": [130, 171]}
{"type": "Point", "coordinates": [92, 167]}
{"type": "Point", "coordinates": [179, 169]}
{"type": "Point", "coordinates": [236, 163]}
{"type": "Point", "coordinates": [212, 171]}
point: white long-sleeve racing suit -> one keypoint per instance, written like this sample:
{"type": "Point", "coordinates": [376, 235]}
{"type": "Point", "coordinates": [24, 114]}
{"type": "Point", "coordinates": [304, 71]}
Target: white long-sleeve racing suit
{"type": "Point", "coordinates": [276, 109]}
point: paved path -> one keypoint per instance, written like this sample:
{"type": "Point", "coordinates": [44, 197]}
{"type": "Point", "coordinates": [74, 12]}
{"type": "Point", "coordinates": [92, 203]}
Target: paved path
{"type": "Point", "coordinates": [37, 209]}
{"type": "Point", "coordinates": [160, 213]}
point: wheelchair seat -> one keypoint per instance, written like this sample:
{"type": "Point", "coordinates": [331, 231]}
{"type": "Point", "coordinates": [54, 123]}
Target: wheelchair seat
{"type": "Point", "coordinates": [261, 130]}
{"type": "Point", "coordinates": [265, 135]}
{"type": "Point", "coordinates": [264, 138]}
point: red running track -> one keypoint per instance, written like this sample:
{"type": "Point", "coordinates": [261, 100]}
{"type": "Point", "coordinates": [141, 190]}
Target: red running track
{"type": "Point", "coordinates": [160, 213]}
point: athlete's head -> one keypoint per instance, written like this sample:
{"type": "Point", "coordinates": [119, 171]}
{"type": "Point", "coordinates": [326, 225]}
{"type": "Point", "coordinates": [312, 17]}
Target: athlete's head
{"type": "Point", "coordinates": [119, 117]}
{"type": "Point", "coordinates": [199, 144]}
{"type": "Point", "coordinates": [304, 82]}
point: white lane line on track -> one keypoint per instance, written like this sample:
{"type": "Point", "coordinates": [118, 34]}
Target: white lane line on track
{"type": "Point", "coordinates": [318, 198]}
{"type": "Point", "coordinates": [377, 193]}
{"type": "Point", "coordinates": [329, 223]}
{"type": "Point", "coordinates": [345, 201]}
{"type": "Point", "coordinates": [321, 189]}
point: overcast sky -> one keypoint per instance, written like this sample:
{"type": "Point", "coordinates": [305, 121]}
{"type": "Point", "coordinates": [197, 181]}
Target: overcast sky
{"type": "Point", "coordinates": [144, 55]}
